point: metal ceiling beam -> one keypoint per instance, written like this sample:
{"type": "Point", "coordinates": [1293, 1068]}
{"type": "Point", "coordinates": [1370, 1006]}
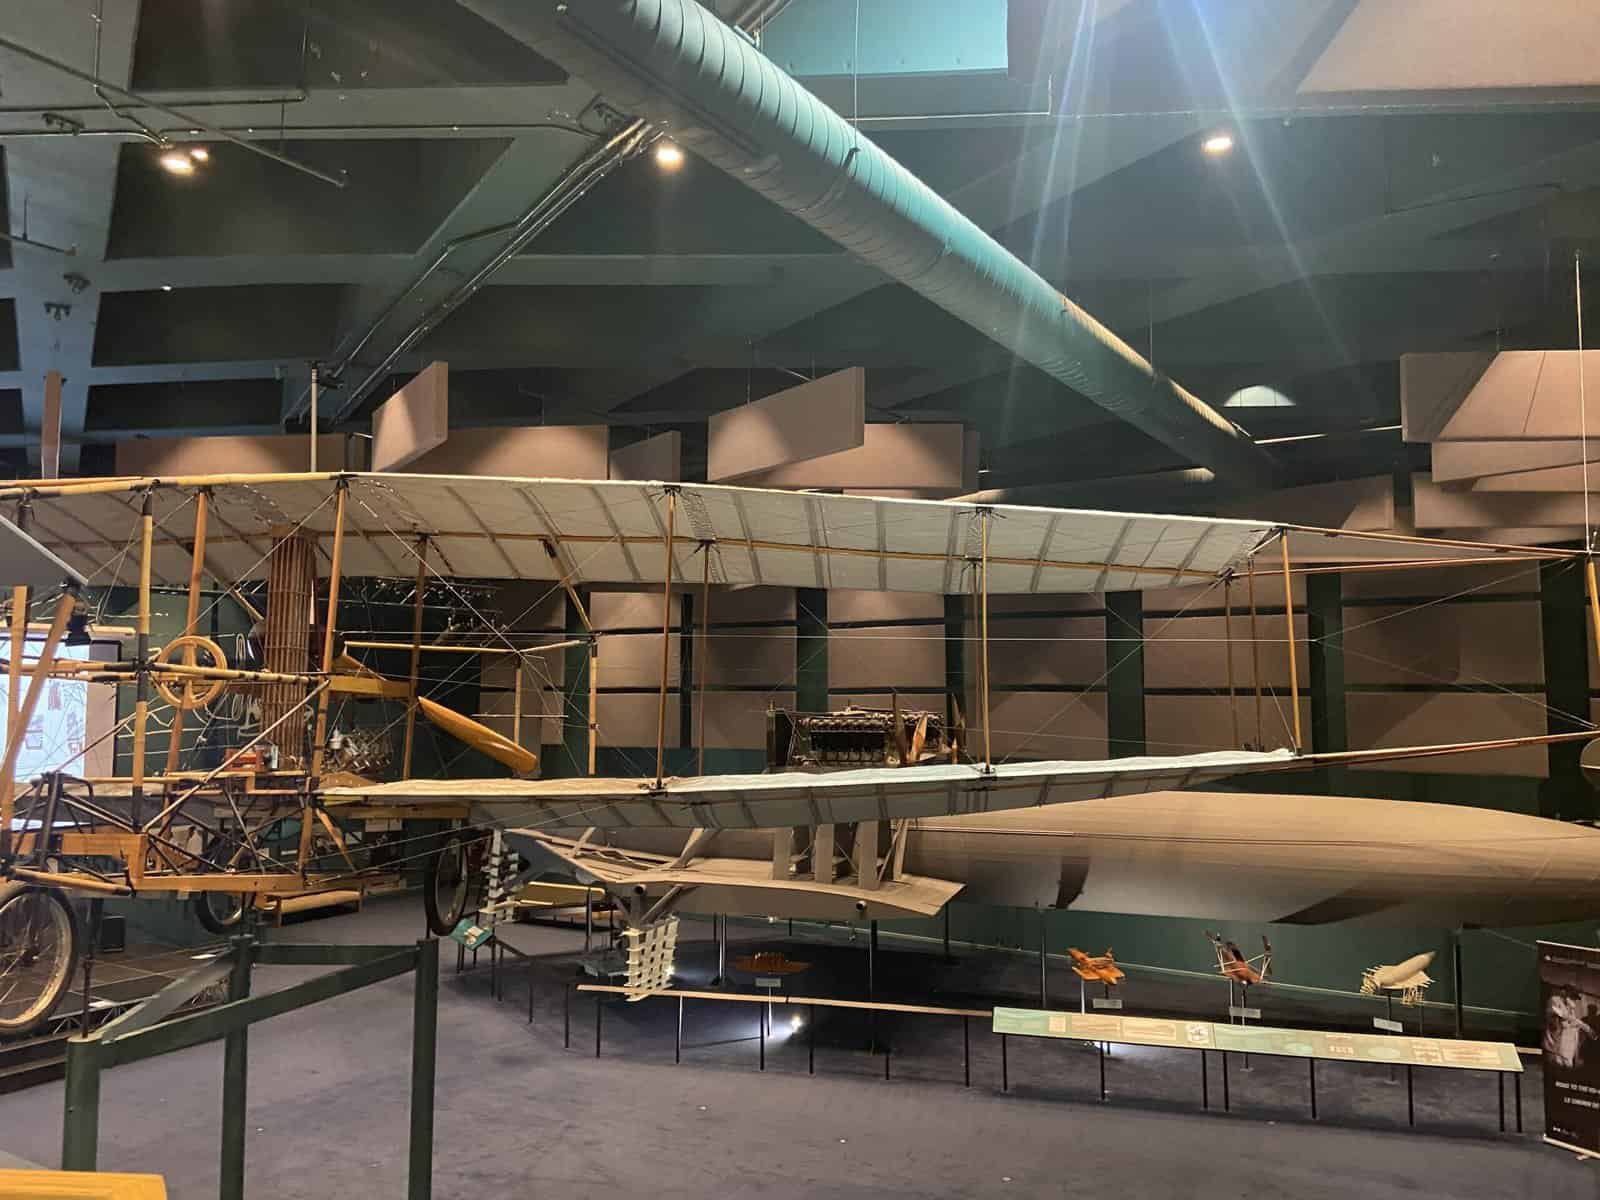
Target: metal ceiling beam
{"type": "Point", "coordinates": [61, 193]}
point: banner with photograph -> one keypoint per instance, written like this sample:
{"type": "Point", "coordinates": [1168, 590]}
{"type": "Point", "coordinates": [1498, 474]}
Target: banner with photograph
{"type": "Point", "coordinates": [1569, 981]}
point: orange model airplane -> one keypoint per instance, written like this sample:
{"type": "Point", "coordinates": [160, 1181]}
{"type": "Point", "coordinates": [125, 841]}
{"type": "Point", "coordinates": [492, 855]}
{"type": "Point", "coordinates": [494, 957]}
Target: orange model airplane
{"type": "Point", "coordinates": [1232, 962]}
{"type": "Point", "coordinates": [1100, 968]}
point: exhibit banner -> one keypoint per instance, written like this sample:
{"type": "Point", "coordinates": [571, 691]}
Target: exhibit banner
{"type": "Point", "coordinates": [1569, 982]}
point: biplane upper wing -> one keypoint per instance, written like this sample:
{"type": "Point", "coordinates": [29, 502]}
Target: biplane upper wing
{"type": "Point", "coordinates": [839, 797]}
{"type": "Point", "coordinates": [611, 531]}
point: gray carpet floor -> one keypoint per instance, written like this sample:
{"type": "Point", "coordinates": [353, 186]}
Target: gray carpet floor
{"type": "Point", "coordinates": [518, 1115]}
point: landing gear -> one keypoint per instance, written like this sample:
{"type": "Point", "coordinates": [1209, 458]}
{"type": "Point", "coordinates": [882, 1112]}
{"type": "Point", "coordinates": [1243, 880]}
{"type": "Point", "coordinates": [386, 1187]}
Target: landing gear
{"type": "Point", "coordinates": [222, 912]}
{"type": "Point", "coordinates": [38, 953]}
{"type": "Point", "coordinates": [447, 882]}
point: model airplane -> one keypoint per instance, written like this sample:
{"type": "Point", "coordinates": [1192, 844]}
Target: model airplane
{"type": "Point", "coordinates": [1096, 968]}
{"type": "Point", "coordinates": [1409, 978]}
{"type": "Point", "coordinates": [1232, 963]}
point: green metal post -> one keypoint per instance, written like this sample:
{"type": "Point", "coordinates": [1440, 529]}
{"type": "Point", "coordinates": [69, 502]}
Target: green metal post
{"type": "Point", "coordinates": [1325, 635]}
{"type": "Point", "coordinates": [424, 1041]}
{"type": "Point", "coordinates": [80, 1126]}
{"type": "Point", "coordinates": [1125, 728]}
{"type": "Point", "coordinates": [1563, 621]}
{"type": "Point", "coordinates": [235, 1075]}
{"type": "Point", "coordinates": [811, 650]}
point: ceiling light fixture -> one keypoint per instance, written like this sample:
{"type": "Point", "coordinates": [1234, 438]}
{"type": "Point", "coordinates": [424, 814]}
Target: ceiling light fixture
{"type": "Point", "coordinates": [1217, 144]}
{"type": "Point", "coordinates": [166, 287]}
{"type": "Point", "coordinates": [177, 162]}
{"type": "Point", "coordinates": [669, 156]}
{"type": "Point", "coordinates": [199, 154]}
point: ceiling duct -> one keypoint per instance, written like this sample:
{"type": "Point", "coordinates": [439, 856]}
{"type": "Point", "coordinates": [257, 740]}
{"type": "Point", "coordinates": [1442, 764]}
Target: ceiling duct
{"type": "Point", "coordinates": [676, 65]}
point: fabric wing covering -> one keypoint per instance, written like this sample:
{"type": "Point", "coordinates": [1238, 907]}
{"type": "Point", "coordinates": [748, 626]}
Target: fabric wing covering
{"type": "Point", "coordinates": [612, 532]}
{"type": "Point", "coordinates": [770, 801]}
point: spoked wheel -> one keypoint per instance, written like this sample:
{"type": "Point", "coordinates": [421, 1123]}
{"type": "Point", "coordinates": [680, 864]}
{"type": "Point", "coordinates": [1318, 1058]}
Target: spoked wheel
{"type": "Point", "coordinates": [221, 912]}
{"type": "Point", "coordinates": [38, 953]}
{"type": "Point", "coordinates": [447, 884]}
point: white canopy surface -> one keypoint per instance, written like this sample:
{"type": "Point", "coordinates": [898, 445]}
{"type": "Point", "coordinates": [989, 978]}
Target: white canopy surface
{"type": "Point", "coordinates": [771, 801]}
{"type": "Point", "coordinates": [613, 531]}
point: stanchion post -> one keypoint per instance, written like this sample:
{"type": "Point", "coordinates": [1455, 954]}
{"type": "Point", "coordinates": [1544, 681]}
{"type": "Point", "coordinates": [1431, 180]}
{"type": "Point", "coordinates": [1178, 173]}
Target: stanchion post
{"type": "Point", "coordinates": [1205, 1081]}
{"type": "Point", "coordinates": [235, 1076]}
{"type": "Point", "coordinates": [1101, 1046]}
{"type": "Point", "coordinates": [424, 1047]}
{"type": "Point", "coordinates": [1411, 1110]}
{"type": "Point", "coordinates": [1005, 1066]}
{"type": "Point", "coordinates": [966, 1051]}
{"type": "Point", "coordinates": [761, 1022]}
{"type": "Point", "coordinates": [677, 1044]}
{"type": "Point", "coordinates": [566, 1017]}
{"type": "Point", "coordinates": [1500, 1097]}
{"type": "Point", "coordinates": [599, 1009]}
{"type": "Point", "coordinates": [811, 1039]}
{"type": "Point", "coordinates": [80, 1127]}
{"type": "Point", "coordinates": [1311, 1078]}
{"type": "Point", "coordinates": [1516, 1085]}
{"type": "Point", "coordinates": [1227, 1101]}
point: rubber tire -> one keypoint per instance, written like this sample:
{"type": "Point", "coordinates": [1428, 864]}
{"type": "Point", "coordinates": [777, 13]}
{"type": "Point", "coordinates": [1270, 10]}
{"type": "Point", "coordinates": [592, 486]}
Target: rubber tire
{"type": "Point", "coordinates": [202, 910]}
{"type": "Point", "coordinates": [443, 924]}
{"type": "Point", "coordinates": [75, 945]}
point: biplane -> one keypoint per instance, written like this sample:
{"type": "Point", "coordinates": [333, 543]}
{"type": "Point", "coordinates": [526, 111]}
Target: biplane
{"type": "Point", "coordinates": [1410, 978]}
{"type": "Point", "coordinates": [1235, 967]}
{"type": "Point", "coordinates": [1096, 968]}
{"type": "Point", "coordinates": [287, 812]}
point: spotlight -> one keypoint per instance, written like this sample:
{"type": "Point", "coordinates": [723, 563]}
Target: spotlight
{"type": "Point", "coordinates": [199, 154]}
{"type": "Point", "coordinates": [166, 287]}
{"type": "Point", "coordinates": [1217, 144]}
{"type": "Point", "coordinates": [669, 156]}
{"type": "Point", "coordinates": [796, 1023]}
{"type": "Point", "coordinates": [177, 162]}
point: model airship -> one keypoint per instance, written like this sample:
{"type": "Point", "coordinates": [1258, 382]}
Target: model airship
{"type": "Point", "coordinates": [1096, 968]}
{"type": "Point", "coordinates": [1409, 978]}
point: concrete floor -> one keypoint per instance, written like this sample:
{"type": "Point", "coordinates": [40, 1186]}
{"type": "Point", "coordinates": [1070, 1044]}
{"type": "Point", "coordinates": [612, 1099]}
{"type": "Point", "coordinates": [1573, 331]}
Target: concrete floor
{"type": "Point", "coordinates": [516, 1113]}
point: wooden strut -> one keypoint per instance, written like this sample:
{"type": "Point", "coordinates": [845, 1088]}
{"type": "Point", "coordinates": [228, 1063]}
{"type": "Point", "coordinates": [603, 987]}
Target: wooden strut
{"type": "Point", "coordinates": [19, 632]}
{"type": "Point", "coordinates": [1594, 600]}
{"type": "Point", "coordinates": [17, 733]}
{"type": "Point", "coordinates": [197, 557]}
{"type": "Point", "coordinates": [983, 634]}
{"type": "Point", "coordinates": [1227, 642]}
{"type": "Point", "coordinates": [666, 626]}
{"type": "Point", "coordinates": [1255, 648]}
{"type": "Point", "coordinates": [1288, 616]}
{"type": "Point", "coordinates": [701, 659]}
{"type": "Point", "coordinates": [314, 776]}
{"type": "Point", "coordinates": [416, 654]}
{"type": "Point", "coordinates": [141, 706]}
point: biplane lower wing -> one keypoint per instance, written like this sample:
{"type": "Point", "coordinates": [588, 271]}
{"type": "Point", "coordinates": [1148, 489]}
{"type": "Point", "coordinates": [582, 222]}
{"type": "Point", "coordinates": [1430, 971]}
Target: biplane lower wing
{"type": "Point", "coordinates": [724, 885]}
{"type": "Point", "coordinates": [794, 799]}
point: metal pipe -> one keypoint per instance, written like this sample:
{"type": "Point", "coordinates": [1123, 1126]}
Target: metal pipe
{"type": "Point", "coordinates": [424, 1045]}
{"type": "Point", "coordinates": [188, 119]}
{"type": "Point", "coordinates": [674, 64]}
{"type": "Point", "coordinates": [80, 1124]}
{"type": "Point", "coordinates": [235, 1076]}
{"type": "Point", "coordinates": [573, 185]}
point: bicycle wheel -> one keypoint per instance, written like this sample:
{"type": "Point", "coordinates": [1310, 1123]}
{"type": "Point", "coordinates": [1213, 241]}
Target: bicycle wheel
{"type": "Point", "coordinates": [38, 953]}
{"type": "Point", "coordinates": [447, 884]}
{"type": "Point", "coordinates": [221, 912]}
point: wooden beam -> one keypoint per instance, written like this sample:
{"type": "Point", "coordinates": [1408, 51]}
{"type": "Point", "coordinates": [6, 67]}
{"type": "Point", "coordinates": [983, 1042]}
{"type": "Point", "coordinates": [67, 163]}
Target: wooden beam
{"type": "Point", "coordinates": [141, 706]}
{"type": "Point", "coordinates": [50, 428]}
{"type": "Point", "coordinates": [701, 662]}
{"type": "Point", "coordinates": [983, 582]}
{"type": "Point", "coordinates": [416, 654]}
{"type": "Point", "coordinates": [197, 557]}
{"type": "Point", "coordinates": [666, 626]}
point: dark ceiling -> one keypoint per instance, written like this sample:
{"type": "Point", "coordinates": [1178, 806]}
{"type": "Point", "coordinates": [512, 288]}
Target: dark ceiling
{"type": "Point", "coordinates": [1343, 230]}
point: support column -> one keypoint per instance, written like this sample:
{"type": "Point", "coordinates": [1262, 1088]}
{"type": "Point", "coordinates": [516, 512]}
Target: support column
{"type": "Point", "coordinates": [1125, 728]}
{"type": "Point", "coordinates": [1563, 622]}
{"type": "Point", "coordinates": [1325, 635]}
{"type": "Point", "coordinates": [424, 1044]}
{"type": "Point", "coordinates": [811, 650]}
{"type": "Point", "coordinates": [235, 1076]}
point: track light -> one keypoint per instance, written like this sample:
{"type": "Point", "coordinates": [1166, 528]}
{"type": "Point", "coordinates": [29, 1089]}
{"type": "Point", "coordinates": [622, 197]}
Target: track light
{"type": "Point", "coordinates": [199, 154]}
{"type": "Point", "coordinates": [176, 161]}
{"type": "Point", "coordinates": [1217, 144]}
{"type": "Point", "coordinates": [669, 156]}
